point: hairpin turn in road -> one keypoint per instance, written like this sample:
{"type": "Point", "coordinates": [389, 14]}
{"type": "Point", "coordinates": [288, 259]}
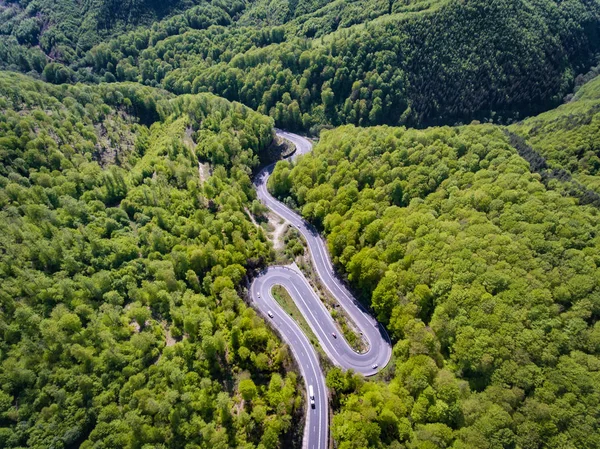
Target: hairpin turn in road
{"type": "Point", "coordinates": [319, 319]}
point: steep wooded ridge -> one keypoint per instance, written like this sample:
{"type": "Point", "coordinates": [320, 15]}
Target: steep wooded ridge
{"type": "Point", "coordinates": [414, 63]}
{"type": "Point", "coordinates": [63, 29]}
{"type": "Point", "coordinates": [567, 137]}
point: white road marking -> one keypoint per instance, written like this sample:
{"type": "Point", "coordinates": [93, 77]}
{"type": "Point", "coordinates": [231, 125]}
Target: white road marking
{"type": "Point", "coordinates": [290, 330]}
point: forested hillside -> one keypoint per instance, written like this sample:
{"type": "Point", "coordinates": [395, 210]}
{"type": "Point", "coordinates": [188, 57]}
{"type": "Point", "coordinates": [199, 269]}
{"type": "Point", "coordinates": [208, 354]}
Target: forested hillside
{"type": "Point", "coordinates": [32, 32]}
{"type": "Point", "coordinates": [488, 280]}
{"type": "Point", "coordinates": [120, 320]}
{"type": "Point", "coordinates": [311, 64]}
{"type": "Point", "coordinates": [127, 238]}
{"type": "Point", "coordinates": [451, 63]}
{"type": "Point", "coordinates": [568, 137]}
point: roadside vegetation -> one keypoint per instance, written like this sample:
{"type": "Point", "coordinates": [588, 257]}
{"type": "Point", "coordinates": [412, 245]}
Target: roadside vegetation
{"type": "Point", "coordinates": [292, 249]}
{"type": "Point", "coordinates": [457, 182]}
{"type": "Point", "coordinates": [121, 322]}
{"type": "Point", "coordinates": [343, 321]}
{"type": "Point", "coordinates": [286, 302]}
{"type": "Point", "coordinates": [486, 278]}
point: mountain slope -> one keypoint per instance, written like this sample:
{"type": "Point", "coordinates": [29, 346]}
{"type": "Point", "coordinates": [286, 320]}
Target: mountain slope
{"type": "Point", "coordinates": [567, 137]}
{"type": "Point", "coordinates": [454, 62]}
{"type": "Point", "coordinates": [120, 314]}
{"type": "Point", "coordinates": [313, 65]}
{"type": "Point", "coordinates": [487, 278]}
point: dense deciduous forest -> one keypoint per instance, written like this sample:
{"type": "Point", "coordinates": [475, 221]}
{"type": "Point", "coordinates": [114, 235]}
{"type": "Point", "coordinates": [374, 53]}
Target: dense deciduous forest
{"type": "Point", "coordinates": [127, 236]}
{"type": "Point", "coordinates": [113, 249]}
{"type": "Point", "coordinates": [364, 63]}
{"type": "Point", "coordinates": [63, 29]}
{"type": "Point", "coordinates": [487, 280]}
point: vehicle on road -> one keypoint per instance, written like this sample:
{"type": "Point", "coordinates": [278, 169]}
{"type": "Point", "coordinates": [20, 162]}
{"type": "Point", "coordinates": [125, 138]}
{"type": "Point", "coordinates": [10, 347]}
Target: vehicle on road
{"type": "Point", "coordinates": [375, 366]}
{"type": "Point", "coordinates": [311, 395]}
{"type": "Point", "coordinates": [317, 424]}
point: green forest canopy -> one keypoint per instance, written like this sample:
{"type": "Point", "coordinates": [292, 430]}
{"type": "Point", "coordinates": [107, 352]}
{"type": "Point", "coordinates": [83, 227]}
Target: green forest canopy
{"type": "Point", "coordinates": [477, 246]}
{"type": "Point", "coordinates": [310, 64]}
{"type": "Point", "coordinates": [567, 137]}
{"type": "Point", "coordinates": [487, 280]}
{"type": "Point", "coordinates": [121, 325]}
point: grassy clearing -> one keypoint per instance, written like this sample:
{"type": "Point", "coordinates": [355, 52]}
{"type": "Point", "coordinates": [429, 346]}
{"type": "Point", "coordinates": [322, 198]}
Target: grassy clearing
{"type": "Point", "coordinates": [286, 302]}
{"type": "Point", "coordinates": [339, 315]}
{"type": "Point", "coordinates": [294, 249]}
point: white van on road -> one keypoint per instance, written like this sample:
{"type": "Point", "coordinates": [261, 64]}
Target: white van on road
{"type": "Point", "coordinates": [311, 395]}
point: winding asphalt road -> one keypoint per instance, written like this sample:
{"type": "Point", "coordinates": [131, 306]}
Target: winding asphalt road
{"type": "Point", "coordinates": [318, 317]}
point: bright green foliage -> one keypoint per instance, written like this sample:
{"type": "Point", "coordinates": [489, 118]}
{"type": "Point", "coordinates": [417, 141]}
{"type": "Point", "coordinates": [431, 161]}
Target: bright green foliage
{"type": "Point", "coordinates": [122, 259]}
{"type": "Point", "coordinates": [488, 281]}
{"type": "Point", "coordinates": [567, 137]}
{"type": "Point", "coordinates": [247, 389]}
{"type": "Point", "coordinates": [120, 321]}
